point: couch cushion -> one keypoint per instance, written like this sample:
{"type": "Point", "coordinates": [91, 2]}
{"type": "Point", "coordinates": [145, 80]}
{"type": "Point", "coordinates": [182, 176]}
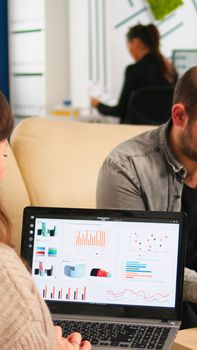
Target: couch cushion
{"type": "Point", "coordinates": [60, 160]}
{"type": "Point", "coordinates": [14, 197]}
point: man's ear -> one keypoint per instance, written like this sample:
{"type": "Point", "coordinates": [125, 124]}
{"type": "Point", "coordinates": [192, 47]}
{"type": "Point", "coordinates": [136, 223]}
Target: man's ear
{"type": "Point", "coordinates": [179, 115]}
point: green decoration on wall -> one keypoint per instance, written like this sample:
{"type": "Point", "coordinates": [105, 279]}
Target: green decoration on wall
{"type": "Point", "coordinates": [162, 8]}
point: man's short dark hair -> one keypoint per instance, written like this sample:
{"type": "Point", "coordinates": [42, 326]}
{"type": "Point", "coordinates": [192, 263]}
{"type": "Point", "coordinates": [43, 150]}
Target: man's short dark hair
{"type": "Point", "coordinates": [186, 92]}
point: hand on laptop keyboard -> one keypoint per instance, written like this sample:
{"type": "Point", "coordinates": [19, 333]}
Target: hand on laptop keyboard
{"type": "Point", "coordinates": [71, 342]}
{"type": "Point", "coordinates": [117, 335]}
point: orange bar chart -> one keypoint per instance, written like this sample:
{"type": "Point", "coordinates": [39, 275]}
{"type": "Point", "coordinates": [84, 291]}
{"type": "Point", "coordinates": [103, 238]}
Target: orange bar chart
{"type": "Point", "coordinates": [90, 238]}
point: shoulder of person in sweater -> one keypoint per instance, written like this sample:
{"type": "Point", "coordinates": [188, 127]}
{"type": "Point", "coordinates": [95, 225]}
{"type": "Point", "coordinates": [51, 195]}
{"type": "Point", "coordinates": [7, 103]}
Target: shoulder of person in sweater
{"type": "Point", "coordinates": [23, 312]}
{"type": "Point", "coordinates": [13, 273]}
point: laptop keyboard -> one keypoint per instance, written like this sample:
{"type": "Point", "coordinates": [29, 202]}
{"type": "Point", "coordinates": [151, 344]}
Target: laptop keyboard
{"type": "Point", "coordinates": [120, 335]}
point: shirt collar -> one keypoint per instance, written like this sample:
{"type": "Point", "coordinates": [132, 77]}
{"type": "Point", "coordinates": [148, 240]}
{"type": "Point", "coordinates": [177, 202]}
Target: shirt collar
{"type": "Point", "coordinates": [164, 144]}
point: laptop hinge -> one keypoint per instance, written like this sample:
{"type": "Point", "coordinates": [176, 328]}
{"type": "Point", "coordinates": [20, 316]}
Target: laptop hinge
{"type": "Point", "coordinates": [169, 322]}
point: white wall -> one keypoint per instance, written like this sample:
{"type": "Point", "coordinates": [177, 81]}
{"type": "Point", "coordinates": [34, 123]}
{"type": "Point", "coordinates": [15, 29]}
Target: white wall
{"type": "Point", "coordinates": [178, 30]}
{"type": "Point", "coordinates": [38, 50]}
{"type": "Point", "coordinates": [78, 39]}
{"type": "Point", "coordinates": [27, 56]}
{"type": "Point", "coordinates": [56, 46]}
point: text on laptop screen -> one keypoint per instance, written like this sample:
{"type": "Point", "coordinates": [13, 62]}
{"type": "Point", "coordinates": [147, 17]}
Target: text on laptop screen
{"type": "Point", "coordinates": [106, 262]}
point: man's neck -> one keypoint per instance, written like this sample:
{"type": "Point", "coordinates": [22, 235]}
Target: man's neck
{"type": "Point", "coordinates": [188, 164]}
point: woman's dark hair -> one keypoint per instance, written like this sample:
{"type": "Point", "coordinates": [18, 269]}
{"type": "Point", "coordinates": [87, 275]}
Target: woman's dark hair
{"type": "Point", "coordinates": [6, 118]}
{"type": "Point", "coordinates": [6, 127]}
{"type": "Point", "coordinates": [150, 36]}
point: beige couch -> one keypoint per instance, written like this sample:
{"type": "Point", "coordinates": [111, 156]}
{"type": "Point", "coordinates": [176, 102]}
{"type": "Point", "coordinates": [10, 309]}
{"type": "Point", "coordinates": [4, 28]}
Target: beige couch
{"type": "Point", "coordinates": [56, 163]}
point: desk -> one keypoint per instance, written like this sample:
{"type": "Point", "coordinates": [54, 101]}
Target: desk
{"type": "Point", "coordinates": [98, 119]}
{"type": "Point", "coordinates": [186, 340]}
{"type": "Point", "coordinates": [87, 115]}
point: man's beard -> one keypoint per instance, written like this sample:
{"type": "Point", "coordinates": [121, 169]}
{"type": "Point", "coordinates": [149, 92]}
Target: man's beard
{"type": "Point", "coordinates": [186, 141]}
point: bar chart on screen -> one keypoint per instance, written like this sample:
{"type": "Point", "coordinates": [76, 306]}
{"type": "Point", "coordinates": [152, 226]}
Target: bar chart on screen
{"type": "Point", "coordinates": [136, 269]}
{"type": "Point", "coordinates": [91, 238]}
{"type": "Point", "coordinates": [46, 228]}
{"type": "Point", "coordinates": [64, 293]}
{"type": "Point", "coordinates": [43, 269]}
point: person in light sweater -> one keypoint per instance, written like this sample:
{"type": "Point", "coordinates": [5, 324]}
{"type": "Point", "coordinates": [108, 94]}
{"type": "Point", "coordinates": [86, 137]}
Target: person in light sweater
{"type": "Point", "coordinates": [25, 321]}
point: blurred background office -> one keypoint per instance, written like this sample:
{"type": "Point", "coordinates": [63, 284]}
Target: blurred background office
{"type": "Point", "coordinates": [67, 50]}
{"type": "Point", "coordinates": [151, 69]}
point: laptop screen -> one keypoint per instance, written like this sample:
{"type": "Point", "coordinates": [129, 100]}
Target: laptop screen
{"type": "Point", "coordinates": [104, 258]}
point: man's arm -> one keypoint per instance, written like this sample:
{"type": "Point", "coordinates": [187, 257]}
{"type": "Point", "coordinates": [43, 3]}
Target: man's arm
{"type": "Point", "coordinates": [190, 286]}
{"type": "Point", "coordinates": [118, 187]}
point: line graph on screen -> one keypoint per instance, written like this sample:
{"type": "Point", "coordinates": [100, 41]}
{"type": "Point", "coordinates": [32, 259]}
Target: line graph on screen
{"type": "Point", "coordinates": [131, 295]}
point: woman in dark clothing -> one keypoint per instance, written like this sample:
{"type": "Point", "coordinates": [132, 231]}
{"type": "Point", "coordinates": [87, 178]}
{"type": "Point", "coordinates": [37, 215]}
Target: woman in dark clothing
{"type": "Point", "coordinates": [151, 68]}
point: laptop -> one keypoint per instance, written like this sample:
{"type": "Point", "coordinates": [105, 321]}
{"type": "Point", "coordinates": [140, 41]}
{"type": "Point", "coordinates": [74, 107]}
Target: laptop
{"type": "Point", "coordinates": [115, 276]}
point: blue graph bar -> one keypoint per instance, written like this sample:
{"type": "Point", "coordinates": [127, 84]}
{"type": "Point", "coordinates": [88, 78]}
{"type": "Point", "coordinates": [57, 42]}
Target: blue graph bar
{"type": "Point", "coordinates": [134, 266]}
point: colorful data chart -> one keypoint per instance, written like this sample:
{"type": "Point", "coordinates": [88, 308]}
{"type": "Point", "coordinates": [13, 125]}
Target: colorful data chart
{"type": "Point", "coordinates": [152, 242]}
{"type": "Point", "coordinates": [52, 252]}
{"type": "Point", "coordinates": [75, 271]}
{"type": "Point", "coordinates": [45, 232]}
{"type": "Point", "coordinates": [134, 269]}
{"type": "Point", "coordinates": [42, 271]}
{"type": "Point", "coordinates": [78, 294]}
{"type": "Point", "coordinates": [40, 251]}
{"type": "Point", "coordinates": [130, 294]}
{"type": "Point", "coordinates": [45, 292]}
{"type": "Point", "coordinates": [91, 238]}
{"type": "Point", "coordinates": [97, 272]}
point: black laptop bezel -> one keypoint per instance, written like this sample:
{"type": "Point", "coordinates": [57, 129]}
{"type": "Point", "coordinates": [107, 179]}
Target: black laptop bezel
{"type": "Point", "coordinates": [63, 307]}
